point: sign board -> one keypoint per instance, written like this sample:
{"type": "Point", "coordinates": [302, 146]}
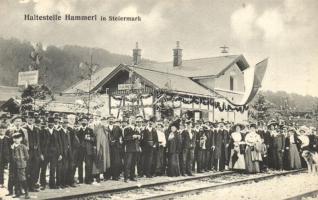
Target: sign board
{"type": "Point", "coordinates": [129, 86]}
{"type": "Point", "coordinates": [28, 78]}
{"type": "Point", "coordinates": [124, 86]}
{"type": "Point", "coordinates": [196, 116]}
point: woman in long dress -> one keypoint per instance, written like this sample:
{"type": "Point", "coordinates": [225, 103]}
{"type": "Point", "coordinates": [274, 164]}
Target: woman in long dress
{"type": "Point", "coordinates": [173, 145]}
{"type": "Point", "coordinates": [292, 147]}
{"type": "Point", "coordinates": [253, 150]}
{"type": "Point", "coordinates": [101, 162]}
{"type": "Point", "coordinates": [159, 162]}
{"type": "Point", "coordinates": [237, 160]}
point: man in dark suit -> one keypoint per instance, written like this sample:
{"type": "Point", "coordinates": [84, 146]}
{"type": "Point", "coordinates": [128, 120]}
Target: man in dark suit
{"type": "Point", "coordinates": [149, 142]}
{"type": "Point", "coordinates": [34, 162]}
{"type": "Point", "coordinates": [209, 134]}
{"type": "Point", "coordinates": [67, 158]}
{"type": "Point", "coordinates": [278, 149]}
{"type": "Point", "coordinates": [188, 145]}
{"type": "Point", "coordinates": [220, 142]}
{"type": "Point", "coordinates": [4, 151]}
{"type": "Point", "coordinates": [75, 145]}
{"type": "Point", "coordinates": [132, 148]}
{"type": "Point", "coordinates": [116, 140]}
{"type": "Point", "coordinates": [52, 154]}
{"type": "Point", "coordinates": [87, 141]}
{"type": "Point", "coordinates": [140, 126]}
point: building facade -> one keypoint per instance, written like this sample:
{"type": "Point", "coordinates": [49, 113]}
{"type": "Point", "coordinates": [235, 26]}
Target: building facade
{"type": "Point", "coordinates": [206, 88]}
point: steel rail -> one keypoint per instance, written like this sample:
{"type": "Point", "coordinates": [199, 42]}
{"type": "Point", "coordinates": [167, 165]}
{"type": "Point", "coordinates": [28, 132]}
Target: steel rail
{"type": "Point", "coordinates": [313, 194]}
{"type": "Point", "coordinates": [172, 195]}
{"type": "Point", "coordinates": [123, 189]}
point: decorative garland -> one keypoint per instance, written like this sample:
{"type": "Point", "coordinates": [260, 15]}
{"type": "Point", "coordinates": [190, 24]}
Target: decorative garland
{"type": "Point", "coordinates": [205, 101]}
{"type": "Point", "coordinates": [129, 99]}
{"type": "Point", "coordinates": [187, 99]}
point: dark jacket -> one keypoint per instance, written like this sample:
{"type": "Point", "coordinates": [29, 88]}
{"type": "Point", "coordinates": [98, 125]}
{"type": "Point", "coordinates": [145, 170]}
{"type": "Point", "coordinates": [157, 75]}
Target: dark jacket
{"type": "Point", "coordinates": [75, 143]}
{"type": "Point", "coordinates": [52, 146]}
{"type": "Point", "coordinates": [114, 137]}
{"type": "Point", "coordinates": [4, 150]}
{"type": "Point", "coordinates": [34, 139]}
{"type": "Point", "coordinates": [266, 136]}
{"type": "Point", "coordinates": [210, 137]}
{"type": "Point", "coordinates": [20, 156]}
{"type": "Point", "coordinates": [87, 140]}
{"type": "Point", "coordinates": [65, 141]}
{"type": "Point", "coordinates": [188, 143]}
{"type": "Point", "coordinates": [149, 138]}
{"type": "Point", "coordinates": [174, 145]}
{"type": "Point", "coordinates": [279, 142]}
{"type": "Point", "coordinates": [131, 144]}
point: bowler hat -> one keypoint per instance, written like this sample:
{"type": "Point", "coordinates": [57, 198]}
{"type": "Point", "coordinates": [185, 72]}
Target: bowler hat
{"type": "Point", "coordinates": [50, 120]}
{"type": "Point", "coordinates": [17, 135]}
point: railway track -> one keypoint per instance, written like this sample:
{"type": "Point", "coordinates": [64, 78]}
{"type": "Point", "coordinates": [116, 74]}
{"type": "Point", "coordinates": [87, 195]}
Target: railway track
{"type": "Point", "coordinates": [304, 196]}
{"type": "Point", "coordinates": [189, 187]}
{"type": "Point", "coordinates": [105, 192]}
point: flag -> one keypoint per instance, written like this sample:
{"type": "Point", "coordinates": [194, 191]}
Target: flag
{"type": "Point", "coordinates": [259, 73]}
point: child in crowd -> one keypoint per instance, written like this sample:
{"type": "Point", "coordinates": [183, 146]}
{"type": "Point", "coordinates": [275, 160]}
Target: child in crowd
{"type": "Point", "coordinates": [263, 164]}
{"type": "Point", "coordinates": [20, 157]}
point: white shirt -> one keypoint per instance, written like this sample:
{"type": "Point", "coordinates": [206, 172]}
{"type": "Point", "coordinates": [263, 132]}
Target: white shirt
{"type": "Point", "coordinates": [51, 131]}
{"type": "Point", "coordinates": [190, 134]}
{"type": "Point", "coordinates": [161, 138]}
{"type": "Point", "coordinates": [31, 127]}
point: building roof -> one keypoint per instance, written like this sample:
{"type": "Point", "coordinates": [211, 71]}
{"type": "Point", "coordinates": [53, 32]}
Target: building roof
{"type": "Point", "coordinates": [213, 66]}
{"type": "Point", "coordinates": [83, 85]}
{"type": "Point", "coordinates": [164, 76]}
{"type": "Point", "coordinates": [172, 82]}
{"type": "Point", "coordinates": [7, 92]}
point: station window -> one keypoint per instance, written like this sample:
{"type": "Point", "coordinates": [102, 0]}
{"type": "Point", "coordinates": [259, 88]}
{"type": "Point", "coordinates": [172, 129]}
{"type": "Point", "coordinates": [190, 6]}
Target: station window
{"type": "Point", "coordinates": [231, 83]}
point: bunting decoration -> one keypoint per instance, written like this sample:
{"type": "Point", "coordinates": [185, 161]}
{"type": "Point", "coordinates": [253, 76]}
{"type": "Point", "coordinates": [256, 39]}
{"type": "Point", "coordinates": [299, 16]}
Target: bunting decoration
{"type": "Point", "coordinates": [163, 98]}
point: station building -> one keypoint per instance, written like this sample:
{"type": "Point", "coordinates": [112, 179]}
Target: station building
{"type": "Point", "coordinates": [201, 88]}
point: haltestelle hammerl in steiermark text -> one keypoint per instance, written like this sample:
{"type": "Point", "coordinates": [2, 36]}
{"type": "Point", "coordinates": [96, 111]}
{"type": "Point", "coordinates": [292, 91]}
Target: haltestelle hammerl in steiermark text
{"type": "Point", "coordinates": [69, 17]}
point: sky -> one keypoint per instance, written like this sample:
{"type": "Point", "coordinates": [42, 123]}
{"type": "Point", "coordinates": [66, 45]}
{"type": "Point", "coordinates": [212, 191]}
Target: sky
{"type": "Point", "coordinates": [285, 31]}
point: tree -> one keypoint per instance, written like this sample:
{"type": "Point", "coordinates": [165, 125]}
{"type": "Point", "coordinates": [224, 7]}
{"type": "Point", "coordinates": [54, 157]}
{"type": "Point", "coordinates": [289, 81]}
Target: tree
{"type": "Point", "coordinates": [260, 108]}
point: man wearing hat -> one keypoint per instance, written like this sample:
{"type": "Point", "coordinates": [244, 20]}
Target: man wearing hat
{"type": "Point", "coordinates": [57, 121]}
{"type": "Point", "coordinates": [141, 125]}
{"type": "Point", "coordinates": [221, 142]}
{"type": "Point", "coordinates": [149, 142]}
{"type": "Point", "coordinates": [131, 148]}
{"type": "Point", "coordinates": [188, 145]}
{"type": "Point", "coordinates": [75, 145]}
{"type": "Point", "coordinates": [87, 140]}
{"type": "Point", "coordinates": [52, 153]}
{"type": "Point", "coordinates": [64, 166]}
{"type": "Point", "coordinates": [278, 148]}
{"type": "Point", "coordinates": [4, 152]}
{"type": "Point", "coordinates": [33, 168]}
{"type": "Point", "coordinates": [201, 144]}
{"type": "Point", "coordinates": [209, 152]}
{"type": "Point", "coordinates": [116, 140]}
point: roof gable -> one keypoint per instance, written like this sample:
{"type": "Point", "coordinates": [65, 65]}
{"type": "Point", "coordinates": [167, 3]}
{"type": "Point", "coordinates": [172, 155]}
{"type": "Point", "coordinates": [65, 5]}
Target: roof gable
{"type": "Point", "coordinates": [213, 66]}
{"type": "Point", "coordinates": [83, 85]}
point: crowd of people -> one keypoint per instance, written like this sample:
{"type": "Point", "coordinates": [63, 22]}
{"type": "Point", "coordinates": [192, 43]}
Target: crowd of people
{"type": "Point", "coordinates": [83, 149]}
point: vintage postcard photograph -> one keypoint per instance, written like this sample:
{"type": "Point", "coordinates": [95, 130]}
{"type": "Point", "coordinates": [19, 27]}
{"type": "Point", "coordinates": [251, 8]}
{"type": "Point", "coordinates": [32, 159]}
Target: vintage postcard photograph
{"type": "Point", "coordinates": [158, 99]}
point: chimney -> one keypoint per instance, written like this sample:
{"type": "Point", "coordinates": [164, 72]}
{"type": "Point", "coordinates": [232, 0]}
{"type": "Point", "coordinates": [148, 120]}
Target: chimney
{"type": "Point", "coordinates": [136, 55]}
{"type": "Point", "coordinates": [177, 55]}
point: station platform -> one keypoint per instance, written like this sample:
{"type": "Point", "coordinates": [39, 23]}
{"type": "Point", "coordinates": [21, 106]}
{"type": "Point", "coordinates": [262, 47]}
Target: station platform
{"type": "Point", "coordinates": [109, 186]}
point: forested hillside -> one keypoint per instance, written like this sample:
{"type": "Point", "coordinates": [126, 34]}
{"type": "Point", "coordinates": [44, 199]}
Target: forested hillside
{"type": "Point", "coordinates": [59, 64]}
